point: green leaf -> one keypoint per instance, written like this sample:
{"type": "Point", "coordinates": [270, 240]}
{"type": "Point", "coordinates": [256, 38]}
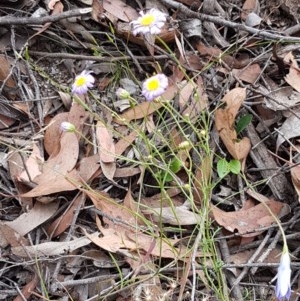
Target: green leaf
{"type": "Point", "coordinates": [243, 123]}
{"type": "Point", "coordinates": [222, 168]}
{"type": "Point", "coordinates": [175, 165]}
{"type": "Point", "coordinates": [234, 166]}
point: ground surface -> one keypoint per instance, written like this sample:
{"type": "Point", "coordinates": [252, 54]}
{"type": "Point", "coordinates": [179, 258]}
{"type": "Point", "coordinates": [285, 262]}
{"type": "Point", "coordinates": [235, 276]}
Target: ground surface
{"type": "Point", "coordinates": [180, 198]}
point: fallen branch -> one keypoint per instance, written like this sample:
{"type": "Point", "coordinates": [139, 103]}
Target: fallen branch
{"type": "Point", "coordinates": [10, 20]}
{"type": "Point", "coordinates": [217, 20]}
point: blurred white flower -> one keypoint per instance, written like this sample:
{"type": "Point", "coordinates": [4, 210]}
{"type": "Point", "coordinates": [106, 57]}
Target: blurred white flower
{"type": "Point", "coordinates": [283, 285]}
{"type": "Point", "coordinates": [154, 86]}
{"type": "Point", "coordinates": [83, 82]}
{"type": "Point", "coordinates": [67, 127]}
{"type": "Point", "coordinates": [151, 22]}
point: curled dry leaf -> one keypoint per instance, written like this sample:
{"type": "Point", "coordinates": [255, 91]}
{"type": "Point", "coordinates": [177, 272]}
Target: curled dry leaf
{"type": "Point", "coordinates": [58, 174]}
{"type": "Point", "coordinates": [225, 118]}
{"type": "Point", "coordinates": [247, 223]}
{"type": "Point", "coordinates": [141, 110]}
{"type": "Point", "coordinates": [122, 231]}
{"type": "Point", "coordinates": [293, 77]}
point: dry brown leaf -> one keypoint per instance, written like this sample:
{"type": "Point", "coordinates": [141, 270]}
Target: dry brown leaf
{"type": "Point", "coordinates": [141, 110]}
{"type": "Point", "coordinates": [247, 223]}
{"type": "Point", "coordinates": [88, 167]}
{"type": "Point", "coordinates": [289, 129]}
{"type": "Point", "coordinates": [122, 234]}
{"type": "Point", "coordinates": [180, 215]}
{"type": "Point", "coordinates": [6, 121]}
{"type": "Point", "coordinates": [125, 142]}
{"type": "Point", "coordinates": [103, 202]}
{"type": "Point", "coordinates": [202, 179]}
{"type": "Point", "coordinates": [280, 98]}
{"type": "Point", "coordinates": [244, 256]}
{"type": "Point", "coordinates": [58, 174]}
{"type": "Point", "coordinates": [293, 77]}
{"type": "Point", "coordinates": [64, 221]}
{"type": "Point", "coordinates": [249, 74]}
{"type": "Point", "coordinates": [28, 221]}
{"type": "Point", "coordinates": [126, 172]}
{"type": "Point", "coordinates": [78, 115]}
{"type": "Point", "coordinates": [124, 30]}
{"type": "Point", "coordinates": [53, 134]}
{"type": "Point", "coordinates": [116, 241]}
{"type": "Point", "coordinates": [52, 3]}
{"type": "Point", "coordinates": [108, 169]}
{"type": "Point", "coordinates": [8, 236]}
{"type": "Point", "coordinates": [57, 7]}
{"type": "Point", "coordinates": [55, 182]}
{"type": "Point", "coordinates": [249, 6]}
{"type": "Point", "coordinates": [224, 120]}
{"type": "Point", "coordinates": [216, 54]}
{"type": "Point", "coordinates": [33, 164]}
{"type": "Point", "coordinates": [15, 164]}
{"type": "Point", "coordinates": [28, 289]}
{"type": "Point", "coordinates": [52, 248]}
{"type": "Point", "coordinates": [192, 98]}
{"type": "Point", "coordinates": [106, 146]}
{"type": "Point", "coordinates": [295, 175]}
{"type": "Point", "coordinates": [120, 10]}
{"type": "Point", "coordinates": [172, 194]}
{"type": "Point", "coordinates": [5, 71]}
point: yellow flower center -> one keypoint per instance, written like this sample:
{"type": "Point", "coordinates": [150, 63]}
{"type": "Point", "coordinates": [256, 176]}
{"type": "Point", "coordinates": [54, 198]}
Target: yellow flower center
{"type": "Point", "coordinates": [80, 81]}
{"type": "Point", "coordinates": [153, 84]}
{"type": "Point", "coordinates": [147, 20]}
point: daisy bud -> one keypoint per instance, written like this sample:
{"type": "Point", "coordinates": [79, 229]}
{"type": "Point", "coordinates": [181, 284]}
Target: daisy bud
{"type": "Point", "coordinates": [67, 127]}
{"type": "Point", "coordinates": [184, 145]}
{"type": "Point", "coordinates": [122, 93]}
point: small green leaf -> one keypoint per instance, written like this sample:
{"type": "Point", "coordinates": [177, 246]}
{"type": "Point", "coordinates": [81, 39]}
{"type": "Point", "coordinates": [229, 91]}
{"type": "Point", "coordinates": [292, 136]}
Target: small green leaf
{"type": "Point", "coordinates": [175, 165]}
{"type": "Point", "coordinates": [165, 176]}
{"type": "Point", "coordinates": [234, 166]}
{"type": "Point", "coordinates": [222, 168]}
{"type": "Point", "coordinates": [243, 123]}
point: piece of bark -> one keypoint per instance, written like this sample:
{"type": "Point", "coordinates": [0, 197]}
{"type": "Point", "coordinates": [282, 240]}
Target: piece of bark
{"type": "Point", "coordinates": [278, 183]}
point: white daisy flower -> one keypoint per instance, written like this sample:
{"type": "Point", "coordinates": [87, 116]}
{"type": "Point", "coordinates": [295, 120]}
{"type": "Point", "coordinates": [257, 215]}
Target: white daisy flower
{"type": "Point", "coordinates": [154, 86]}
{"type": "Point", "coordinates": [67, 127]}
{"type": "Point", "coordinates": [151, 22]}
{"type": "Point", "coordinates": [83, 82]}
{"type": "Point", "coordinates": [283, 285]}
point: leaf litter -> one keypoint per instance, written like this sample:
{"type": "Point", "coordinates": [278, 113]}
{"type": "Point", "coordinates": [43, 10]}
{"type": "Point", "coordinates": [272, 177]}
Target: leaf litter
{"type": "Point", "coordinates": [109, 194]}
